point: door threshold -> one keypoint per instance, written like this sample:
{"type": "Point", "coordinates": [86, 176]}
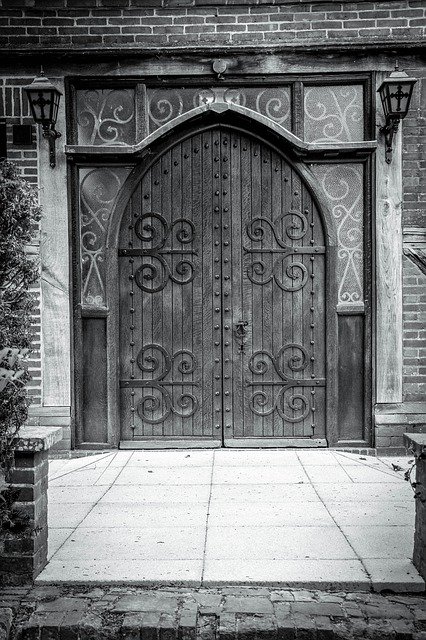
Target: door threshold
{"type": "Point", "coordinates": [231, 443]}
{"type": "Point", "coordinates": [169, 444]}
{"type": "Point", "coordinates": [276, 443]}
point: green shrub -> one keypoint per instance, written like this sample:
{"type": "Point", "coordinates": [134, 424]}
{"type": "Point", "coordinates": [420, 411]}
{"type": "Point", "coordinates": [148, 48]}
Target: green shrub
{"type": "Point", "coordinates": [19, 214]}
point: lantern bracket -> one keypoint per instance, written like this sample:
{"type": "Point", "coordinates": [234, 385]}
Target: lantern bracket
{"type": "Point", "coordinates": [389, 130]}
{"type": "Point", "coordinates": [50, 133]}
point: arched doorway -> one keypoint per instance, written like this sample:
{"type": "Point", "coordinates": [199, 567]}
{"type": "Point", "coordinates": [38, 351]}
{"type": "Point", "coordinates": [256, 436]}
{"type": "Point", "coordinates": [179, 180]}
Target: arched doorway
{"type": "Point", "coordinates": [222, 256]}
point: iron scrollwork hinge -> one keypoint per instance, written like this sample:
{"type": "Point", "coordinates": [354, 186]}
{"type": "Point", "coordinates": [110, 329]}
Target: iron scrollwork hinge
{"type": "Point", "coordinates": [240, 333]}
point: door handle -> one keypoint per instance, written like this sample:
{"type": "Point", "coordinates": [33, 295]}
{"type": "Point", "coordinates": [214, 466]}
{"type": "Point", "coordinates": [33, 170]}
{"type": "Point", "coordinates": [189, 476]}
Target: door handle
{"type": "Point", "coordinates": [240, 332]}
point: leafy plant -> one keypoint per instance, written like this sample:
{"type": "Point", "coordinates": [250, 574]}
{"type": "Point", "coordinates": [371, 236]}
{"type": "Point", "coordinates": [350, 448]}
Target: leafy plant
{"type": "Point", "coordinates": [19, 214]}
{"type": "Point", "coordinates": [417, 487]}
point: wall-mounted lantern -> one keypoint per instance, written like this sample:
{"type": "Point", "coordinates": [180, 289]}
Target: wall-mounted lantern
{"type": "Point", "coordinates": [44, 98]}
{"type": "Point", "coordinates": [395, 94]}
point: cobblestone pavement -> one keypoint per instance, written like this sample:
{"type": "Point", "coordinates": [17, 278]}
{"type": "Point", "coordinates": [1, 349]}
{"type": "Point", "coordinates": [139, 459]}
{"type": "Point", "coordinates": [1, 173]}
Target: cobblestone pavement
{"type": "Point", "coordinates": [70, 613]}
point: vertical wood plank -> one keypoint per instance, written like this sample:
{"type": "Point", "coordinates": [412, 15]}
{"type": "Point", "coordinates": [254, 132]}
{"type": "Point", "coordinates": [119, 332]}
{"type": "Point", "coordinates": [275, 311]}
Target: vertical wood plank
{"type": "Point", "coordinates": [388, 269]}
{"type": "Point", "coordinates": [55, 259]}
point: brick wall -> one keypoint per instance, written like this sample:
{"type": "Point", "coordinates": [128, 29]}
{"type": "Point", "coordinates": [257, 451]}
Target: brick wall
{"type": "Point", "coordinates": [14, 109]}
{"type": "Point", "coordinates": [414, 155]}
{"type": "Point", "coordinates": [414, 215]}
{"type": "Point", "coordinates": [141, 25]}
{"type": "Point", "coordinates": [157, 23]}
{"type": "Point", "coordinates": [414, 316]}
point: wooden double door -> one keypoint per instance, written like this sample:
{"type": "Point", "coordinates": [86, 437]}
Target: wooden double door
{"type": "Point", "coordinates": [222, 299]}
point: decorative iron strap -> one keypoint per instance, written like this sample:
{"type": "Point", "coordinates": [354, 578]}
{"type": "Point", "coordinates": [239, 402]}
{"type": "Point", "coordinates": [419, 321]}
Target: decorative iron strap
{"type": "Point", "coordinates": [154, 228]}
{"type": "Point", "coordinates": [160, 365]}
{"type": "Point", "coordinates": [258, 272]}
{"type": "Point", "coordinates": [296, 362]}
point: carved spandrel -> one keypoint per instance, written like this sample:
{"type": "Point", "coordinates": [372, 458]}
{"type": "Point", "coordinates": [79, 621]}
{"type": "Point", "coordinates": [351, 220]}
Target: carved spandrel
{"type": "Point", "coordinates": [99, 188]}
{"type": "Point", "coordinates": [343, 186]}
{"type": "Point", "coordinates": [166, 104]}
{"type": "Point", "coordinates": [334, 113]}
{"type": "Point", "coordinates": [106, 117]}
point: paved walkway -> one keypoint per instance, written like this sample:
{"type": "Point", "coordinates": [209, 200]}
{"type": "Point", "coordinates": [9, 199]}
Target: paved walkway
{"type": "Point", "coordinates": [314, 519]}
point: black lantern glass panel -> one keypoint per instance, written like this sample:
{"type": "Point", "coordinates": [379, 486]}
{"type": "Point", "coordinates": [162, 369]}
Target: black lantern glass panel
{"type": "Point", "coordinates": [43, 98]}
{"type": "Point", "coordinates": [395, 94]}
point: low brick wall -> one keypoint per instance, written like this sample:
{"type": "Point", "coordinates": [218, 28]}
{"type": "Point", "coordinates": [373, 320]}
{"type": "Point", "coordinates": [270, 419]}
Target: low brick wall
{"type": "Point", "coordinates": [392, 421]}
{"type": "Point", "coordinates": [23, 549]}
{"type": "Point", "coordinates": [417, 444]}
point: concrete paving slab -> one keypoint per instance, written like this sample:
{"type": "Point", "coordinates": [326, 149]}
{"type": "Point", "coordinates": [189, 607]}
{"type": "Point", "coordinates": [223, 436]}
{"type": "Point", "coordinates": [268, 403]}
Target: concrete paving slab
{"type": "Point", "coordinates": [181, 458]}
{"type": "Point", "coordinates": [107, 570]}
{"type": "Point", "coordinates": [58, 467]}
{"type": "Point", "coordinates": [317, 457]}
{"type": "Point", "coordinates": [67, 515]}
{"type": "Point", "coordinates": [198, 494]}
{"type": "Point", "coordinates": [380, 541]}
{"type": "Point", "coordinates": [271, 514]}
{"type": "Point", "coordinates": [257, 543]}
{"type": "Point", "coordinates": [373, 513]}
{"type": "Point", "coordinates": [287, 573]}
{"type": "Point", "coordinates": [57, 538]}
{"type": "Point", "coordinates": [130, 514]}
{"type": "Point", "coordinates": [59, 494]}
{"type": "Point", "coordinates": [159, 476]}
{"type": "Point", "coordinates": [379, 475]}
{"type": "Point", "coordinates": [312, 459]}
{"type": "Point", "coordinates": [77, 478]}
{"type": "Point", "coordinates": [368, 491]}
{"type": "Point", "coordinates": [327, 474]}
{"type": "Point", "coordinates": [120, 458]}
{"type": "Point", "coordinates": [266, 520]}
{"type": "Point", "coordinates": [259, 475]}
{"type": "Point", "coordinates": [108, 476]}
{"type": "Point", "coordinates": [353, 459]}
{"type": "Point", "coordinates": [127, 545]}
{"type": "Point", "coordinates": [397, 574]}
{"type": "Point", "coordinates": [278, 493]}
{"type": "Point", "coordinates": [256, 458]}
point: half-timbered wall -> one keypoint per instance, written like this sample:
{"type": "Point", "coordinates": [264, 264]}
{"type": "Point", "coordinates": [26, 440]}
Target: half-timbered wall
{"type": "Point", "coordinates": [290, 38]}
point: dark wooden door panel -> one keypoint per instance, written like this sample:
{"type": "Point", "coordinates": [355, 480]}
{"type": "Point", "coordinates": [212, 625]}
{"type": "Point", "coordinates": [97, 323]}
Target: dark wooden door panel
{"type": "Point", "coordinates": [166, 299]}
{"type": "Point", "coordinates": [222, 289]}
{"type": "Point", "coordinates": [278, 291]}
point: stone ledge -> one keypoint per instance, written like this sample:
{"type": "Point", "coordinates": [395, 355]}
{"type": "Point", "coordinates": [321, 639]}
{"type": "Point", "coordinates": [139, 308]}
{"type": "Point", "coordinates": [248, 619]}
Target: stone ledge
{"type": "Point", "coordinates": [36, 439]}
{"type": "Point", "coordinates": [416, 442]}
{"type": "Point", "coordinates": [403, 408]}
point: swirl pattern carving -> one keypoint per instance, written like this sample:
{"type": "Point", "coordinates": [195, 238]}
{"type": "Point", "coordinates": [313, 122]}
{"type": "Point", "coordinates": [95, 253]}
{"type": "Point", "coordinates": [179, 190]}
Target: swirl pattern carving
{"type": "Point", "coordinates": [166, 104]}
{"type": "Point", "coordinates": [99, 189]}
{"type": "Point", "coordinates": [334, 113]}
{"type": "Point", "coordinates": [160, 396]}
{"type": "Point", "coordinates": [106, 117]}
{"type": "Point", "coordinates": [344, 188]}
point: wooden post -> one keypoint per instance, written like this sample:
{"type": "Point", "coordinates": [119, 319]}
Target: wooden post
{"type": "Point", "coordinates": [54, 256]}
{"type": "Point", "coordinates": [388, 267]}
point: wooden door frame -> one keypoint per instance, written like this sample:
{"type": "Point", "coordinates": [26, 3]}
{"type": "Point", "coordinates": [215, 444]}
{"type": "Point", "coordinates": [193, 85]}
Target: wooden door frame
{"type": "Point", "coordinates": [283, 143]}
